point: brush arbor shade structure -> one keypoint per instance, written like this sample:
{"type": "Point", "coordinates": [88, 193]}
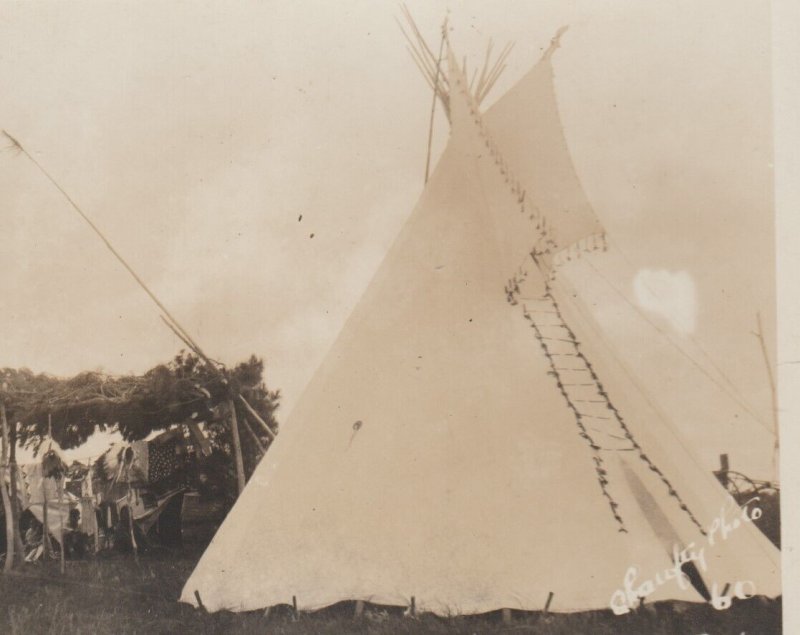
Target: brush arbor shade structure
{"type": "Point", "coordinates": [469, 442]}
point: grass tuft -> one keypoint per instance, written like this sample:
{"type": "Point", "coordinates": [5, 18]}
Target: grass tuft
{"type": "Point", "coordinates": [119, 596]}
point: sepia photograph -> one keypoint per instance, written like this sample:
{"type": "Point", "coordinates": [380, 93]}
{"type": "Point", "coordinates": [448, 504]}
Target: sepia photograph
{"type": "Point", "coordinates": [376, 317]}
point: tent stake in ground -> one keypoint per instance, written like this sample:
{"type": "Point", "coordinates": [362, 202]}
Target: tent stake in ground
{"type": "Point", "coordinates": [547, 604]}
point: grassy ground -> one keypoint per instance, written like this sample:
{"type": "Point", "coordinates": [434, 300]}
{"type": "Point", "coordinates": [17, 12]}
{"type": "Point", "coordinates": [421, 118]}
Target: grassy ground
{"type": "Point", "coordinates": [122, 597]}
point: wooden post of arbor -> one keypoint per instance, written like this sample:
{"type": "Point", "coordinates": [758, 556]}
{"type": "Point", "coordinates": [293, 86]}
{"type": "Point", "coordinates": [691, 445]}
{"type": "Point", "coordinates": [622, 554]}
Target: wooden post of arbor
{"type": "Point", "coordinates": [47, 547]}
{"type": "Point", "coordinates": [237, 447]}
{"type": "Point", "coordinates": [134, 546]}
{"type": "Point", "coordinates": [87, 503]}
{"type": "Point", "coordinates": [10, 556]}
{"type": "Point", "coordinates": [14, 489]}
{"type": "Point", "coordinates": [15, 551]}
{"type": "Point", "coordinates": [60, 485]}
{"type": "Point", "coordinates": [10, 543]}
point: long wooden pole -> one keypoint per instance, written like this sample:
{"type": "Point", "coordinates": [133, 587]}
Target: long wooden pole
{"type": "Point", "coordinates": [168, 318]}
{"type": "Point", "coordinates": [258, 443]}
{"type": "Point", "coordinates": [244, 401]}
{"type": "Point", "coordinates": [257, 417]}
{"type": "Point", "coordinates": [193, 346]}
{"type": "Point", "coordinates": [237, 446]}
{"type": "Point", "coordinates": [102, 237]}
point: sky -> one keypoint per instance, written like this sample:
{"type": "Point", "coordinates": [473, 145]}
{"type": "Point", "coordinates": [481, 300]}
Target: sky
{"type": "Point", "coordinates": [254, 160]}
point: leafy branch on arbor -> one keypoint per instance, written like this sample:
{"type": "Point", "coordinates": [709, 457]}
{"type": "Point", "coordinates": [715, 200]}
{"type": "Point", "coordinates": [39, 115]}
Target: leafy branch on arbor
{"type": "Point", "coordinates": [183, 389]}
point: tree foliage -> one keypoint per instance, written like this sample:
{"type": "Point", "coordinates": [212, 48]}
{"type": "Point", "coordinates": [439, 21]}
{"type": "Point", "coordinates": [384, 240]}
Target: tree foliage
{"type": "Point", "coordinates": [183, 389]}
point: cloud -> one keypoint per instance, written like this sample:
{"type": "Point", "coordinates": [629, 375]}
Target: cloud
{"type": "Point", "coordinates": [670, 295]}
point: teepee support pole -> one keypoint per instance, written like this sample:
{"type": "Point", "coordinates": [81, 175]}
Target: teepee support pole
{"type": "Point", "coordinates": [237, 446]}
{"type": "Point", "coordinates": [413, 608]}
{"type": "Point", "coordinates": [295, 614]}
{"type": "Point", "coordinates": [433, 104]}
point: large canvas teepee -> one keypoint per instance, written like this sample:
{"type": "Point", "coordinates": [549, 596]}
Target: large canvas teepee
{"type": "Point", "coordinates": [470, 441]}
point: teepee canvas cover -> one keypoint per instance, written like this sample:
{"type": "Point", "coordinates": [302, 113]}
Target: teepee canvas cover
{"type": "Point", "coordinates": [468, 441]}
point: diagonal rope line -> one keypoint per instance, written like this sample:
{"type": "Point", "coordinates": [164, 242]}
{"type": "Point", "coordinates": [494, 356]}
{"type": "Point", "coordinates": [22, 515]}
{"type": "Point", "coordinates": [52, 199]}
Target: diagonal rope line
{"type": "Point", "coordinates": [708, 358]}
{"type": "Point", "coordinates": [599, 463]}
{"type": "Point", "coordinates": [681, 350]}
{"type": "Point", "coordinates": [511, 297]}
{"type": "Point", "coordinates": [624, 426]}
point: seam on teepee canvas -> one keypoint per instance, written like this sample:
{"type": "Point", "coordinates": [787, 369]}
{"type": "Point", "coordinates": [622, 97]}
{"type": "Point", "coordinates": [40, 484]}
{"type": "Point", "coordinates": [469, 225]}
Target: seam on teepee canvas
{"type": "Point", "coordinates": [512, 290]}
{"type": "Point", "coordinates": [624, 427]}
{"type": "Point", "coordinates": [547, 258]}
{"type": "Point", "coordinates": [547, 247]}
{"type": "Point", "coordinates": [599, 464]}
